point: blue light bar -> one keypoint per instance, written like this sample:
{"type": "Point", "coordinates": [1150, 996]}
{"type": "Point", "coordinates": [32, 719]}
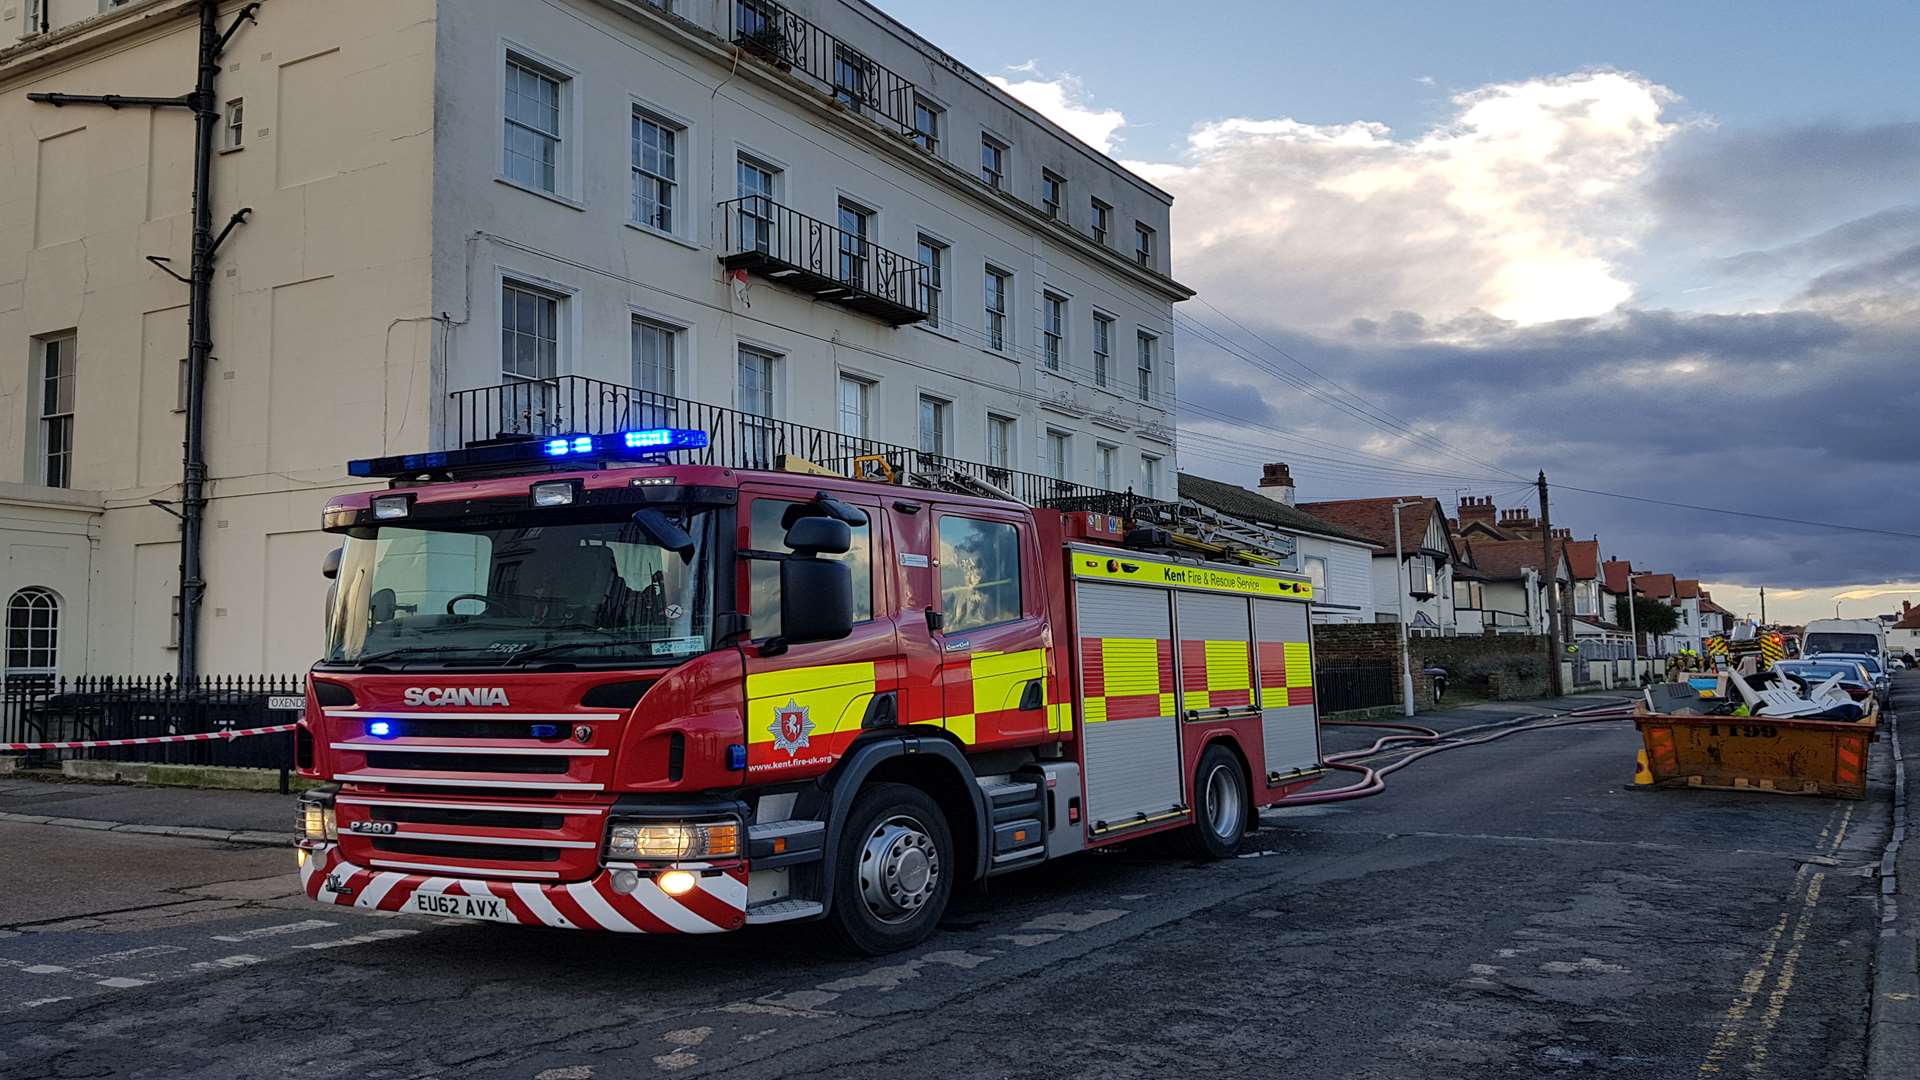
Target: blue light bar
{"type": "Point", "coordinates": [619, 446]}
{"type": "Point", "coordinates": [380, 729]}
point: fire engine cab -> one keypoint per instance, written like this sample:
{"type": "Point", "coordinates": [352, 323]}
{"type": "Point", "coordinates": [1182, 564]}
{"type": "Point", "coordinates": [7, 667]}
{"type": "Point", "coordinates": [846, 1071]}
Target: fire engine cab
{"type": "Point", "coordinates": [574, 682]}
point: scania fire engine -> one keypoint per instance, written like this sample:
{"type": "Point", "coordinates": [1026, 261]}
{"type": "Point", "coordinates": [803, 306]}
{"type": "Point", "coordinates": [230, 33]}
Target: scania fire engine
{"type": "Point", "coordinates": [575, 682]}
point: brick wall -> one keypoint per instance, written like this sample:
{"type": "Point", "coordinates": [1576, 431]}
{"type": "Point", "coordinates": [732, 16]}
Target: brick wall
{"type": "Point", "coordinates": [1517, 658]}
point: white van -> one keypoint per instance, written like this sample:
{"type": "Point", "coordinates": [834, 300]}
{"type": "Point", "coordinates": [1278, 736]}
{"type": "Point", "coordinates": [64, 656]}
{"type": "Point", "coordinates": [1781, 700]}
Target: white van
{"type": "Point", "coordinates": [1845, 636]}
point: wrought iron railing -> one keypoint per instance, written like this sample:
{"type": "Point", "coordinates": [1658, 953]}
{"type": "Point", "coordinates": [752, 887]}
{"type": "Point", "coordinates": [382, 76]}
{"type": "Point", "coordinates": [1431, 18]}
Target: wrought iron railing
{"type": "Point", "coordinates": [575, 404]}
{"type": "Point", "coordinates": [114, 707]}
{"type": "Point", "coordinates": [834, 263]}
{"type": "Point", "coordinates": [1344, 689]}
{"type": "Point", "coordinates": [769, 31]}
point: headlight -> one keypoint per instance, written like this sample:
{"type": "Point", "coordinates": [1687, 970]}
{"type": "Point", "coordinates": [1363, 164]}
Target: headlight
{"type": "Point", "coordinates": [673, 840]}
{"type": "Point", "coordinates": [316, 821]}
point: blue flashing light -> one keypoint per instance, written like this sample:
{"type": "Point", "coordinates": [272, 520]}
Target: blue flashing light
{"type": "Point", "coordinates": [736, 756]}
{"type": "Point", "coordinates": [627, 445]}
{"type": "Point", "coordinates": [545, 731]}
{"type": "Point", "coordinates": [665, 439]}
{"type": "Point", "coordinates": [380, 729]}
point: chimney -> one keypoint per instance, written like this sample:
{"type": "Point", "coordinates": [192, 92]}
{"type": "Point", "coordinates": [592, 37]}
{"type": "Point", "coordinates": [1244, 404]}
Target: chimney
{"type": "Point", "coordinates": [1520, 523]}
{"type": "Point", "coordinates": [1478, 509]}
{"type": "Point", "coordinates": [1276, 482]}
{"type": "Point", "coordinates": [1906, 608]}
{"type": "Point", "coordinates": [1563, 534]}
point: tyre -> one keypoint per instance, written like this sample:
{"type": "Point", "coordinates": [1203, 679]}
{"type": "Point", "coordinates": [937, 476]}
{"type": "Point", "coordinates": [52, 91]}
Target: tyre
{"type": "Point", "coordinates": [893, 870]}
{"type": "Point", "coordinates": [1219, 806]}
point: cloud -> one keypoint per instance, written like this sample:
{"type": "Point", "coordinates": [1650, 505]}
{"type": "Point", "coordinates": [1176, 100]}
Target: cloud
{"type": "Point", "coordinates": [1520, 206]}
{"type": "Point", "coordinates": [1064, 100]}
{"type": "Point", "coordinates": [1733, 187]}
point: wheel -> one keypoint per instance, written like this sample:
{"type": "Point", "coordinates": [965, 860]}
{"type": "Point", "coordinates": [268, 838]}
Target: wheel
{"type": "Point", "coordinates": [1219, 806]}
{"type": "Point", "coordinates": [893, 872]}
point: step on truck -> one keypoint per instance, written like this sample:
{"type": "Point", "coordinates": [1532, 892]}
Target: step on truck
{"type": "Point", "coordinates": [576, 683]}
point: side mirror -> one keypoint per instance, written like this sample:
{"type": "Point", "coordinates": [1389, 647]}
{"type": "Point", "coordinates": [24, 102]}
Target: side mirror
{"type": "Point", "coordinates": [816, 597]}
{"type": "Point", "coordinates": [382, 605]}
{"type": "Point", "coordinates": [330, 565]}
{"type": "Point", "coordinates": [663, 532]}
{"type": "Point", "coordinates": [818, 535]}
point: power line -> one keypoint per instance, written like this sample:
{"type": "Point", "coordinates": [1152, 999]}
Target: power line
{"type": "Point", "coordinates": [1402, 424]}
{"type": "Point", "coordinates": [1742, 513]}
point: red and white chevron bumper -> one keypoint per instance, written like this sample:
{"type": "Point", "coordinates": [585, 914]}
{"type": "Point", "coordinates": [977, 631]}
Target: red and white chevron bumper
{"type": "Point", "coordinates": [718, 903]}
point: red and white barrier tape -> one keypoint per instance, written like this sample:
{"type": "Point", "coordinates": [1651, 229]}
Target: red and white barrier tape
{"type": "Point", "coordinates": [204, 736]}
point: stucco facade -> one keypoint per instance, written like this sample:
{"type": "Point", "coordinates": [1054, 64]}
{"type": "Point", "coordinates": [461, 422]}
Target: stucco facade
{"type": "Point", "coordinates": [369, 284]}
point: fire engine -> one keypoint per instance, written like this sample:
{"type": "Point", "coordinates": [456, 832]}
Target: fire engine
{"type": "Point", "coordinates": [577, 682]}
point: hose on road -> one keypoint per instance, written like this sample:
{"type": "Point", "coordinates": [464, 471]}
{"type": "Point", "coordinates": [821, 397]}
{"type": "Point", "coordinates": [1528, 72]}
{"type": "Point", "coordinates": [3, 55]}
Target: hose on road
{"type": "Point", "coordinates": [1428, 742]}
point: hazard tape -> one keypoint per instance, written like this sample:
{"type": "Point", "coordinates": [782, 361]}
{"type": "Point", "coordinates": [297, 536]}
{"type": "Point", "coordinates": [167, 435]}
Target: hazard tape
{"type": "Point", "coordinates": [206, 736]}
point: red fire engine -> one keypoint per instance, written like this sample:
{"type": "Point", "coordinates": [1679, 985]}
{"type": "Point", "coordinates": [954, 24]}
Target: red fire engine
{"type": "Point", "coordinates": [570, 682]}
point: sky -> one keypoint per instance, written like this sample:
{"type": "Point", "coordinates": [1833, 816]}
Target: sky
{"type": "Point", "coordinates": [1668, 254]}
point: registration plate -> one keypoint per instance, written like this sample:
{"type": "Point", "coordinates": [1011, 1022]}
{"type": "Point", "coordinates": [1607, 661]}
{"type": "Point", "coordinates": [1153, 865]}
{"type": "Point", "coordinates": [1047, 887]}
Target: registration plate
{"type": "Point", "coordinates": [491, 908]}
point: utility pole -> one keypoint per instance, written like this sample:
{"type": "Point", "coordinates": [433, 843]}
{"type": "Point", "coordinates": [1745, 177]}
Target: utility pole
{"type": "Point", "coordinates": [1400, 570]}
{"type": "Point", "coordinates": [1551, 574]}
{"type": "Point", "coordinates": [1763, 605]}
{"type": "Point", "coordinates": [204, 103]}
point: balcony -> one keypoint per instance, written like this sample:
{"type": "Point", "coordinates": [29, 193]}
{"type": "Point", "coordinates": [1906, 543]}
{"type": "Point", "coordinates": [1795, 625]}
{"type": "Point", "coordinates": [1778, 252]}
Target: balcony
{"type": "Point", "coordinates": [833, 264]}
{"type": "Point", "coordinates": [574, 404]}
{"type": "Point", "coordinates": [769, 31]}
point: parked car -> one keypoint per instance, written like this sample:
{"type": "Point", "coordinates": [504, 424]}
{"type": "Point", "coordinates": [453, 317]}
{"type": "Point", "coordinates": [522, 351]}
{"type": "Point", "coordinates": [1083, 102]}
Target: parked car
{"type": "Point", "coordinates": [1877, 673]}
{"type": "Point", "coordinates": [1853, 678]}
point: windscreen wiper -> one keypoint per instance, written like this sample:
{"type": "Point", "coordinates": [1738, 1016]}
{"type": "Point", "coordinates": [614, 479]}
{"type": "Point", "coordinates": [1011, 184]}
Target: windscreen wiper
{"type": "Point", "coordinates": [410, 650]}
{"type": "Point", "coordinates": [608, 643]}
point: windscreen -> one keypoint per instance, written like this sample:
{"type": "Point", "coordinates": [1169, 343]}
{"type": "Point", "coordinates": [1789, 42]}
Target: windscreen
{"type": "Point", "coordinates": [1854, 643]}
{"type": "Point", "coordinates": [588, 591]}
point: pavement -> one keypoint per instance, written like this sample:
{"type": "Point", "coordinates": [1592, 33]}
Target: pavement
{"type": "Point", "coordinates": [1510, 909]}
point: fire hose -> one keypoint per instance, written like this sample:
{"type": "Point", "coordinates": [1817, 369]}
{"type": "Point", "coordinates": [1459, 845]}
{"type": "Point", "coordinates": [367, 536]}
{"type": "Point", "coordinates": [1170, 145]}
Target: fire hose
{"type": "Point", "coordinates": [205, 736]}
{"type": "Point", "coordinates": [1428, 742]}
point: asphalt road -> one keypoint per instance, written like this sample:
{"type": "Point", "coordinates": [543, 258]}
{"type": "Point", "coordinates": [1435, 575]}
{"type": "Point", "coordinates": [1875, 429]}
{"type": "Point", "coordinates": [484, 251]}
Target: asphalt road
{"type": "Point", "coordinates": [1503, 910]}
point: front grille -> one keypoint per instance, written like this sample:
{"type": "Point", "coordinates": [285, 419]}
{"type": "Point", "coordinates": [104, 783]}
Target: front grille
{"type": "Point", "coordinates": [415, 728]}
{"type": "Point", "coordinates": [401, 788]}
{"type": "Point", "coordinates": [468, 763]}
{"type": "Point", "coordinates": [441, 849]}
{"type": "Point", "coordinates": [483, 819]}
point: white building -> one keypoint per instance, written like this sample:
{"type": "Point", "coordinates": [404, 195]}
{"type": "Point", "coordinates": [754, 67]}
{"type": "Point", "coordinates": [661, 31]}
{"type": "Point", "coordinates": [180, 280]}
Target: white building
{"type": "Point", "coordinates": [1419, 585]}
{"type": "Point", "coordinates": [541, 198]}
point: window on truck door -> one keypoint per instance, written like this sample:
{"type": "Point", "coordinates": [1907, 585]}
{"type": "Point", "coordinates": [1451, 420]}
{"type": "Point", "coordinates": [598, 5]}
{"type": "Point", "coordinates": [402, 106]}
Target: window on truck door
{"type": "Point", "coordinates": [979, 573]}
{"type": "Point", "coordinates": [766, 533]}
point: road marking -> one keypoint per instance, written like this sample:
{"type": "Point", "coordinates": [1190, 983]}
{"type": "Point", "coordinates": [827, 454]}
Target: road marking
{"type": "Point", "coordinates": [275, 931]}
{"type": "Point", "coordinates": [1072, 922]}
{"type": "Point", "coordinates": [367, 938]}
{"type": "Point", "coordinates": [1751, 983]}
{"type": "Point", "coordinates": [118, 983]}
{"type": "Point", "coordinates": [37, 1002]}
{"type": "Point", "coordinates": [44, 969]}
{"type": "Point", "coordinates": [226, 962]}
{"type": "Point", "coordinates": [1783, 983]}
{"type": "Point", "coordinates": [127, 954]}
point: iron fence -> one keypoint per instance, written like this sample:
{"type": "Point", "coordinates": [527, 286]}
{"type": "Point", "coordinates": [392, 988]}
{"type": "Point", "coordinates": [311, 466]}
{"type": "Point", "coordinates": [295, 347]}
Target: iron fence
{"type": "Point", "coordinates": [1345, 689]}
{"type": "Point", "coordinates": [779, 37]}
{"type": "Point", "coordinates": [837, 264]}
{"type": "Point", "coordinates": [577, 405]}
{"type": "Point", "coordinates": [34, 709]}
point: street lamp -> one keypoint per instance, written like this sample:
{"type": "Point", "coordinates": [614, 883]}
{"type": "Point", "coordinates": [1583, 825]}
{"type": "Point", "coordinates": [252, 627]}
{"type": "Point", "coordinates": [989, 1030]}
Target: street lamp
{"type": "Point", "coordinates": [1399, 562]}
{"type": "Point", "coordinates": [1633, 633]}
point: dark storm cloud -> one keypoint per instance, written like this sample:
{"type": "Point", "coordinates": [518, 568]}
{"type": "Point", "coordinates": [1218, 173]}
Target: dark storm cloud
{"type": "Point", "coordinates": [1799, 414]}
{"type": "Point", "coordinates": [1872, 235]}
{"type": "Point", "coordinates": [1777, 185]}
